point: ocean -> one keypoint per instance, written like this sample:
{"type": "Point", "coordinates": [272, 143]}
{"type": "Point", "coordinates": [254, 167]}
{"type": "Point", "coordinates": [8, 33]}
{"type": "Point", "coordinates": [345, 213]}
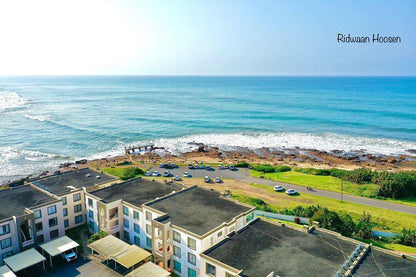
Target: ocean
{"type": "Point", "coordinates": [46, 121]}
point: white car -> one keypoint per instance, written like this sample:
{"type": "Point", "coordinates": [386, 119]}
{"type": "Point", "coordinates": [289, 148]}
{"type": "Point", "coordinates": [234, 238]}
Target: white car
{"type": "Point", "coordinates": [69, 255]}
{"type": "Point", "coordinates": [148, 173]}
{"type": "Point", "coordinates": [166, 174]}
{"type": "Point", "coordinates": [207, 179]}
{"type": "Point", "coordinates": [217, 180]}
{"type": "Point", "coordinates": [155, 174]}
{"type": "Point", "coordinates": [177, 178]}
{"type": "Point", "coordinates": [187, 175]}
{"type": "Point", "coordinates": [279, 188]}
{"type": "Point", "coordinates": [291, 192]}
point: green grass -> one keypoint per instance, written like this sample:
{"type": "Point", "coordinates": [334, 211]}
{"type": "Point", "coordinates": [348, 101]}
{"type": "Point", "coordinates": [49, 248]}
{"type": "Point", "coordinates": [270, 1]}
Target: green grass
{"type": "Point", "coordinates": [390, 246]}
{"type": "Point", "coordinates": [118, 171]}
{"type": "Point", "coordinates": [386, 220]}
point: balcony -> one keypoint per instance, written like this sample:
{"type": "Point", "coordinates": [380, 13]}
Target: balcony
{"type": "Point", "coordinates": [27, 242]}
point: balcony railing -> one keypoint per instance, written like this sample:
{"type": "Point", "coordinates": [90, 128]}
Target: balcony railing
{"type": "Point", "coordinates": [27, 242]}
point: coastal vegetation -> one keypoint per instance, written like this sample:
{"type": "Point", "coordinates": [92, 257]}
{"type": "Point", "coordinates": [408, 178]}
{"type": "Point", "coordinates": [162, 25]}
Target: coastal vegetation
{"type": "Point", "coordinates": [124, 173]}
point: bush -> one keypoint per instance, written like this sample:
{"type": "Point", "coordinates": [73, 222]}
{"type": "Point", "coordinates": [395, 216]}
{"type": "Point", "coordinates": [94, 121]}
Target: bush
{"type": "Point", "coordinates": [283, 168]}
{"type": "Point", "coordinates": [131, 172]}
{"type": "Point", "coordinates": [266, 168]}
{"type": "Point", "coordinates": [242, 164]}
{"type": "Point", "coordinates": [124, 163]}
{"type": "Point", "coordinates": [322, 172]}
{"type": "Point", "coordinates": [97, 236]}
{"type": "Point", "coordinates": [337, 173]}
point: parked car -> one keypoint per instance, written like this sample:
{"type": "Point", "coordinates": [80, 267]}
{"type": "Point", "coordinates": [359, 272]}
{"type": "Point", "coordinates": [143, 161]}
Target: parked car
{"type": "Point", "coordinates": [148, 173]}
{"type": "Point", "coordinates": [172, 165]}
{"type": "Point", "coordinates": [155, 174]}
{"type": "Point", "coordinates": [218, 180]}
{"type": "Point", "coordinates": [207, 179]}
{"type": "Point", "coordinates": [166, 174]}
{"type": "Point", "coordinates": [190, 166]}
{"type": "Point", "coordinates": [187, 175]}
{"type": "Point", "coordinates": [208, 167]}
{"type": "Point", "coordinates": [226, 167]}
{"type": "Point", "coordinates": [162, 165]}
{"type": "Point", "coordinates": [202, 166]}
{"type": "Point", "coordinates": [232, 167]}
{"type": "Point", "coordinates": [291, 192]}
{"type": "Point", "coordinates": [221, 166]}
{"type": "Point", "coordinates": [177, 178]}
{"type": "Point", "coordinates": [279, 188]}
{"type": "Point", "coordinates": [69, 255]}
{"type": "Point", "coordinates": [196, 166]}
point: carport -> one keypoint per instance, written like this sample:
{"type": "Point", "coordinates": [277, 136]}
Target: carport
{"type": "Point", "coordinates": [24, 260]}
{"type": "Point", "coordinates": [149, 269]}
{"type": "Point", "coordinates": [57, 246]}
{"type": "Point", "coordinates": [119, 251]}
{"type": "Point", "coordinates": [5, 271]}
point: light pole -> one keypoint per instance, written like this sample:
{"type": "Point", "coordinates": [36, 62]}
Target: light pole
{"type": "Point", "coordinates": [342, 187]}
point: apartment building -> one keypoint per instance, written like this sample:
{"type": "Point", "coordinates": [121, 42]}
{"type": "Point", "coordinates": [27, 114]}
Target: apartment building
{"type": "Point", "coordinates": [119, 209]}
{"type": "Point", "coordinates": [28, 216]}
{"type": "Point", "coordinates": [71, 186]}
{"type": "Point", "coordinates": [192, 221]}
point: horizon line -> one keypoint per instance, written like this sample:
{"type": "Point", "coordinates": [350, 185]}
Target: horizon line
{"type": "Point", "coordinates": [193, 75]}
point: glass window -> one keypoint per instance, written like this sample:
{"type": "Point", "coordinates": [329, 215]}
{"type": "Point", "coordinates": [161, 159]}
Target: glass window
{"type": "Point", "coordinates": [4, 229]}
{"type": "Point", "coordinates": [78, 219]}
{"type": "Point", "coordinates": [6, 243]}
{"type": "Point", "coordinates": [149, 242]}
{"type": "Point", "coordinates": [90, 214]}
{"type": "Point", "coordinates": [91, 224]}
{"type": "Point", "coordinates": [136, 215]}
{"type": "Point", "coordinates": [191, 272]}
{"type": "Point", "coordinates": [38, 214]}
{"type": "Point", "coordinates": [149, 229]}
{"type": "Point", "coordinates": [40, 239]}
{"type": "Point", "coordinates": [52, 210]}
{"type": "Point", "coordinates": [177, 251]}
{"type": "Point", "coordinates": [136, 240]}
{"type": "Point", "coordinates": [149, 216]}
{"type": "Point", "coordinates": [136, 228]}
{"type": "Point", "coordinates": [65, 211]}
{"type": "Point", "coordinates": [249, 217]}
{"type": "Point", "coordinates": [54, 234]}
{"type": "Point", "coordinates": [126, 223]}
{"type": "Point", "coordinates": [125, 210]}
{"type": "Point", "coordinates": [126, 236]}
{"type": "Point", "coordinates": [176, 236]}
{"type": "Point", "coordinates": [192, 243]}
{"type": "Point", "coordinates": [6, 255]}
{"type": "Point", "coordinates": [77, 197]}
{"type": "Point", "coordinates": [90, 202]}
{"type": "Point", "coordinates": [177, 266]}
{"type": "Point", "coordinates": [39, 226]}
{"type": "Point", "coordinates": [64, 201]}
{"type": "Point", "coordinates": [210, 269]}
{"type": "Point", "coordinates": [191, 258]}
{"type": "Point", "coordinates": [66, 223]}
{"type": "Point", "coordinates": [219, 234]}
{"type": "Point", "coordinates": [77, 208]}
{"type": "Point", "coordinates": [53, 221]}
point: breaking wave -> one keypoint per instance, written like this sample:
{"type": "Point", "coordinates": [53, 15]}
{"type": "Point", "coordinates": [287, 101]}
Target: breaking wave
{"type": "Point", "coordinates": [40, 118]}
{"type": "Point", "coordinates": [11, 100]}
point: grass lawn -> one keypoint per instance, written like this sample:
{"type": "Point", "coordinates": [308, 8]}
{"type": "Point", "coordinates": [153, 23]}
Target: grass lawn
{"type": "Point", "coordinates": [118, 171]}
{"type": "Point", "coordinates": [390, 246]}
{"type": "Point", "coordinates": [329, 183]}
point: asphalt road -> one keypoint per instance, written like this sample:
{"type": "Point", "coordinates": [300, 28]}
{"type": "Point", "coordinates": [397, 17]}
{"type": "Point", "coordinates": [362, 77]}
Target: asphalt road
{"type": "Point", "coordinates": [244, 175]}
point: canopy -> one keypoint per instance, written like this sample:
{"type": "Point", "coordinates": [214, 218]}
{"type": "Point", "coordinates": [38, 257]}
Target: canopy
{"type": "Point", "coordinates": [58, 246]}
{"type": "Point", "coordinates": [149, 270]}
{"type": "Point", "coordinates": [6, 272]}
{"type": "Point", "coordinates": [115, 249]}
{"type": "Point", "coordinates": [24, 259]}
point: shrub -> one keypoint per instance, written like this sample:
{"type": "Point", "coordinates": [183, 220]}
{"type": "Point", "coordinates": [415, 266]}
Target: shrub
{"type": "Point", "coordinates": [266, 168]}
{"type": "Point", "coordinates": [124, 163]}
{"type": "Point", "coordinates": [322, 172]}
{"type": "Point", "coordinates": [242, 164]}
{"type": "Point", "coordinates": [97, 236]}
{"type": "Point", "coordinates": [131, 172]}
{"type": "Point", "coordinates": [283, 168]}
{"type": "Point", "coordinates": [337, 173]}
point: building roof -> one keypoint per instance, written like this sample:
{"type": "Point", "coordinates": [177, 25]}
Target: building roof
{"type": "Point", "coordinates": [13, 201]}
{"type": "Point", "coordinates": [198, 210]}
{"type": "Point", "coordinates": [59, 245]}
{"type": "Point", "coordinates": [136, 191]}
{"type": "Point", "coordinates": [85, 177]}
{"type": "Point", "coordinates": [263, 247]}
{"type": "Point", "coordinates": [24, 259]}
{"type": "Point", "coordinates": [5, 271]}
{"type": "Point", "coordinates": [149, 269]}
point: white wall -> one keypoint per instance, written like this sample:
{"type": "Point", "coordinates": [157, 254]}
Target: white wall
{"type": "Point", "coordinates": [184, 253]}
{"type": "Point", "coordinates": [45, 220]}
{"type": "Point", "coordinates": [14, 237]}
{"type": "Point", "coordinates": [70, 206]}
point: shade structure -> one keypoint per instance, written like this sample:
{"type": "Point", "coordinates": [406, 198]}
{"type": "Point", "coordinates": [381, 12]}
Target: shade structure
{"type": "Point", "coordinates": [5, 271]}
{"type": "Point", "coordinates": [149, 270]}
{"type": "Point", "coordinates": [121, 252]}
{"type": "Point", "coordinates": [59, 245]}
{"type": "Point", "coordinates": [24, 260]}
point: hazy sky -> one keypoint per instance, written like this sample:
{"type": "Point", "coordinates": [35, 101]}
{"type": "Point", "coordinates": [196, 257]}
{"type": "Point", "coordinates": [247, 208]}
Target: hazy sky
{"type": "Point", "coordinates": [204, 37]}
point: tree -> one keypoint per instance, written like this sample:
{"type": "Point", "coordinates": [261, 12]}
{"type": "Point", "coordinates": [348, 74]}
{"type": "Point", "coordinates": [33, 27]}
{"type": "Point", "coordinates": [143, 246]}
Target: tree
{"type": "Point", "coordinates": [365, 226]}
{"type": "Point", "coordinates": [101, 234]}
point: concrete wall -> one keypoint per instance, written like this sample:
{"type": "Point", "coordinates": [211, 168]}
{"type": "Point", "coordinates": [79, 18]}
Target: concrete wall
{"type": "Point", "coordinates": [13, 235]}
{"type": "Point", "coordinates": [70, 206]}
{"type": "Point", "coordinates": [45, 220]}
{"type": "Point", "coordinates": [303, 220]}
{"type": "Point", "coordinates": [184, 253]}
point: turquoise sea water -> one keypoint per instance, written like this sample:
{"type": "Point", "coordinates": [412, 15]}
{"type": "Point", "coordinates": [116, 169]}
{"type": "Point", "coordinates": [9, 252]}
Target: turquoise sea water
{"type": "Point", "coordinates": [48, 120]}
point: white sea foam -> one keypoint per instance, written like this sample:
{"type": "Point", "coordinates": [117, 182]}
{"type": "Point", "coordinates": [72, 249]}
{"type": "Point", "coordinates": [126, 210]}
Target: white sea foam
{"type": "Point", "coordinates": [40, 118]}
{"type": "Point", "coordinates": [11, 100]}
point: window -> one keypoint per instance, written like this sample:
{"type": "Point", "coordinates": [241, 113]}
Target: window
{"type": "Point", "coordinates": [176, 236]}
{"type": "Point", "coordinates": [39, 226]}
{"type": "Point", "coordinates": [125, 210]}
{"type": "Point", "coordinates": [4, 229]}
{"type": "Point", "coordinates": [64, 201]}
{"type": "Point", "coordinates": [191, 272]}
{"type": "Point", "coordinates": [38, 214]}
{"type": "Point", "coordinates": [177, 251]}
{"type": "Point", "coordinates": [77, 197]}
{"type": "Point", "coordinates": [149, 229]}
{"type": "Point", "coordinates": [149, 216]}
{"type": "Point", "coordinates": [177, 266]}
{"type": "Point", "coordinates": [6, 243]}
{"type": "Point", "coordinates": [126, 236]}
{"type": "Point", "coordinates": [210, 269]}
{"type": "Point", "coordinates": [249, 217]}
{"type": "Point", "coordinates": [53, 221]}
{"type": "Point", "coordinates": [78, 219]}
{"type": "Point", "coordinates": [191, 258]}
{"type": "Point", "coordinates": [126, 223]}
{"type": "Point", "coordinates": [52, 210]}
{"type": "Point", "coordinates": [219, 234]}
{"type": "Point", "coordinates": [136, 215]}
{"type": "Point", "coordinates": [136, 228]}
{"type": "Point", "coordinates": [77, 208]}
{"type": "Point", "coordinates": [90, 214]}
{"type": "Point", "coordinates": [54, 234]}
{"type": "Point", "coordinates": [90, 202]}
{"type": "Point", "coordinates": [137, 241]}
{"type": "Point", "coordinates": [149, 242]}
{"type": "Point", "coordinates": [40, 239]}
{"type": "Point", "coordinates": [66, 223]}
{"type": "Point", "coordinates": [227, 274]}
{"type": "Point", "coordinates": [6, 255]}
{"type": "Point", "coordinates": [91, 224]}
{"type": "Point", "coordinates": [65, 211]}
{"type": "Point", "coordinates": [192, 243]}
